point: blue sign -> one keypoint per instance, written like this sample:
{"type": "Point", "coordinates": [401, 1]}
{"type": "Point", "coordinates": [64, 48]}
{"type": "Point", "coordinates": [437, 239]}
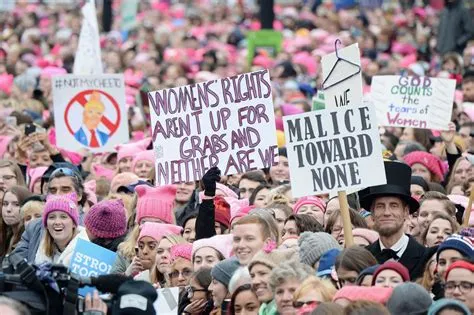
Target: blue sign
{"type": "Point", "coordinates": [90, 260]}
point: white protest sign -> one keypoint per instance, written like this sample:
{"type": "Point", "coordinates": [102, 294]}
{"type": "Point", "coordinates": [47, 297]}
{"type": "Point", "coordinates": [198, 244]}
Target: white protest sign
{"type": "Point", "coordinates": [334, 150]}
{"type": "Point", "coordinates": [167, 301]}
{"type": "Point", "coordinates": [227, 123]}
{"type": "Point", "coordinates": [348, 92]}
{"type": "Point", "coordinates": [89, 112]}
{"type": "Point", "coordinates": [88, 58]}
{"type": "Point", "coordinates": [416, 102]}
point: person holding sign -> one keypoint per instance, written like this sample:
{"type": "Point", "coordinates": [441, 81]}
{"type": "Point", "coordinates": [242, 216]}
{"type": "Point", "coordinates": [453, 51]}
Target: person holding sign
{"type": "Point", "coordinates": [89, 135]}
{"type": "Point", "coordinates": [391, 205]}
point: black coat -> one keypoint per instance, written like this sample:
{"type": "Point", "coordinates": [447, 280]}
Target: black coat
{"type": "Point", "coordinates": [414, 257]}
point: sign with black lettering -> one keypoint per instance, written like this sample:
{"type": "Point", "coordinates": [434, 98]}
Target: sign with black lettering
{"type": "Point", "coordinates": [334, 150]}
{"type": "Point", "coordinates": [227, 123]}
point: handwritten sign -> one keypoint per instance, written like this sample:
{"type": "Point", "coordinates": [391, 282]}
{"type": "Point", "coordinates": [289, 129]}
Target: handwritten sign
{"type": "Point", "coordinates": [347, 92]}
{"type": "Point", "coordinates": [227, 123]}
{"type": "Point", "coordinates": [334, 150]}
{"type": "Point", "coordinates": [167, 301]}
{"type": "Point", "coordinates": [90, 260]}
{"type": "Point", "coordinates": [89, 112]}
{"type": "Point", "coordinates": [416, 102]}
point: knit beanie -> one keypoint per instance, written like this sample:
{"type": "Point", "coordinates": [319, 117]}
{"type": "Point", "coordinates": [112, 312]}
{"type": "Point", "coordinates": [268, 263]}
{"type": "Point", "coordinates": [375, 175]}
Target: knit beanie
{"type": "Point", "coordinates": [440, 305]}
{"type": "Point", "coordinates": [65, 203]}
{"type": "Point", "coordinates": [131, 149]}
{"type": "Point", "coordinates": [395, 266]}
{"type": "Point", "coordinates": [35, 175]}
{"type": "Point", "coordinates": [457, 242]}
{"type": "Point", "coordinates": [157, 230]}
{"type": "Point", "coordinates": [181, 251]}
{"type": "Point", "coordinates": [221, 243]}
{"type": "Point", "coordinates": [107, 219]}
{"type": "Point", "coordinates": [459, 264]}
{"type": "Point", "coordinates": [357, 293]}
{"type": "Point", "coordinates": [430, 161]}
{"type": "Point", "coordinates": [224, 270]}
{"type": "Point", "coordinates": [147, 155]}
{"type": "Point", "coordinates": [409, 298]}
{"type": "Point", "coordinates": [222, 211]}
{"type": "Point", "coordinates": [420, 181]}
{"type": "Point", "coordinates": [314, 245]}
{"type": "Point", "coordinates": [327, 262]}
{"type": "Point", "coordinates": [314, 201]}
{"type": "Point", "coordinates": [226, 191]}
{"type": "Point", "coordinates": [155, 202]}
{"type": "Point", "coordinates": [273, 258]}
{"type": "Point", "coordinates": [122, 179]}
{"type": "Point", "coordinates": [370, 235]}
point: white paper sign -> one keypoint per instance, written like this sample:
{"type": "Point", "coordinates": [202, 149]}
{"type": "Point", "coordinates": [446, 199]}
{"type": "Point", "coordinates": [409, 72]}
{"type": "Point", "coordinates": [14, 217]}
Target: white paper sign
{"type": "Point", "coordinates": [227, 123]}
{"type": "Point", "coordinates": [167, 301]}
{"type": "Point", "coordinates": [334, 150]}
{"type": "Point", "coordinates": [415, 102]}
{"type": "Point", "coordinates": [90, 112]}
{"type": "Point", "coordinates": [88, 58]}
{"type": "Point", "coordinates": [348, 92]}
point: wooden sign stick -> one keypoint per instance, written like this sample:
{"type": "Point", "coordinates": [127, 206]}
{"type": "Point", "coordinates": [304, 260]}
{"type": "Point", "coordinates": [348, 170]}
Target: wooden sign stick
{"type": "Point", "coordinates": [467, 211]}
{"type": "Point", "coordinates": [346, 219]}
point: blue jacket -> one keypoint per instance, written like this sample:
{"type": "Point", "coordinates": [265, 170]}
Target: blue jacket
{"type": "Point", "coordinates": [80, 136]}
{"type": "Point", "coordinates": [30, 240]}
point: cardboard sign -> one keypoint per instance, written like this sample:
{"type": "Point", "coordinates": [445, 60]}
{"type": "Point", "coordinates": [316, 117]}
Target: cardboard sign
{"type": "Point", "coordinates": [88, 59]}
{"type": "Point", "coordinates": [90, 260]}
{"type": "Point", "coordinates": [416, 102]}
{"type": "Point", "coordinates": [89, 112]}
{"type": "Point", "coordinates": [167, 301]}
{"type": "Point", "coordinates": [348, 92]}
{"type": "Point", "coordinates": [334, 150]}
{"type": "Point", "coordinates": [128, 12]}
{"type": "Point", "coordinates": [266, 42]}
{"type": "Point", "coordinates": [227, 123]}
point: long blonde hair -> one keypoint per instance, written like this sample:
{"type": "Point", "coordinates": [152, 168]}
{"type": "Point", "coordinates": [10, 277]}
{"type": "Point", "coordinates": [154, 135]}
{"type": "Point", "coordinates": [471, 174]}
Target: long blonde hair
{"type": "Point", "coordinates": [49, 244]}
{"type": "Point", "coordinates": [127, 248]}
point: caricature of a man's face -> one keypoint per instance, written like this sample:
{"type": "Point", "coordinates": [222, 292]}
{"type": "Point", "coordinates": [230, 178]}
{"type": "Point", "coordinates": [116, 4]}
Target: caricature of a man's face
{"type": "Point", "coordinates": [93, 112]}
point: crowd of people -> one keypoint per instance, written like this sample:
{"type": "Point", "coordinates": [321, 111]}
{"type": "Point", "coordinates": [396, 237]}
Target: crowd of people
{"type": "Point", "coordinates": [241, 243]}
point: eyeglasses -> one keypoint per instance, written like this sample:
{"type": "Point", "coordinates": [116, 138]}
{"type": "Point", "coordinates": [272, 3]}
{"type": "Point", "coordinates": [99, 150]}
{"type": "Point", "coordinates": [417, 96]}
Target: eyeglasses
{"type": "Point", "coordinates": [300, 304]}
{"type": "Point", "coordinates": [185, 273]}
{"type": "Point", "coordinates": [464, 286]}
{"type": "Point", "coordinates": [190, 290]}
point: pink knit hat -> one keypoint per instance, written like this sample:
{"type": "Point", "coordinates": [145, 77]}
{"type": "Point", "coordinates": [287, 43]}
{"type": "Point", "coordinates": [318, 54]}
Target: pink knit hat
{"type": "Point", "coordinates": [123, 179]}
{"type": "Point", "coordinates": [51, 71]}
{"type": "Point", "coordinates": [181, 251]}
{"type": "Point", "coordinates": [35, 175]}
{"type": "Point", "coordinates": [241, 212]}
{"type": "Point", "coordinates": [4, 142]}
{"type": "Point", "coordinates": [356, 293]}
{"type": "Point", "coordinates": [131, 149]}
{"type": "Point", "coordinates": [221, 243]}
{"type": "Point", "coordinates": [370, 235]}
{"type": "Point", "coordinates": [147, 155]}
{"type": "Point", "coordinates": [89, 188]}
{"type": "Point", "coordinates": [290, 109]}
{"type": "Point", "coordinates": [430, 161]}
{"type": "Point", "coordinates": [226, 192]}
{"type": "Point", "coordinates": [157, 230]}
{"type": "Point", "coordinates": [155, 202]}
{"type": "Point", "coordinates": [107, 219]}
{"type": "Point", "coordinates": [65, 203]}
{"type": "Point", "coordinates": [102, 171]}
{"type": "Point", "coordinates": [310, 200]}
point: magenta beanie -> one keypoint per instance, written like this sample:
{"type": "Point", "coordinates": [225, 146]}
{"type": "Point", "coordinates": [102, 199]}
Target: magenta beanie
{"type": "Point", "coordinates": [315, 201]}
{"type": "Point", "coordinates": [107, 219]}
{"type": "Point", "coordinates": [430, 161]}
{"type": "Point", "coordinates": [155, 202]}
{"type": "Point", "coordinates": [65, 203]}
{"type": "Point", "coordinates": [157, 230]}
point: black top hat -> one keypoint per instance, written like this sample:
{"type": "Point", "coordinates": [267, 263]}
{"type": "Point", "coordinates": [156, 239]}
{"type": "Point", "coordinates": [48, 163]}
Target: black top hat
{"type": "Point", "coordinates": [398, 185]}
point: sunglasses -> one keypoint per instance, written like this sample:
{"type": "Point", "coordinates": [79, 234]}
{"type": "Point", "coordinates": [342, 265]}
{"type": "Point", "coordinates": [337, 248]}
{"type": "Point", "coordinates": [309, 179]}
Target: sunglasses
{"type": "Point", "coordinates": [300, 304]}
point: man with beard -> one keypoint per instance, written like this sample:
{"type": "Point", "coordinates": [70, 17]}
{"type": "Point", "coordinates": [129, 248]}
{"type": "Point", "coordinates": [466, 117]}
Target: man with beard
{"type": "Point", "coordinates": [391, 204]}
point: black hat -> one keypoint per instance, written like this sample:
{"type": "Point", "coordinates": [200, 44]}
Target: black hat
{"type": "Point", "coordinates": [135, 297]}
{"type": "Point", "coordinates": [398, 185]}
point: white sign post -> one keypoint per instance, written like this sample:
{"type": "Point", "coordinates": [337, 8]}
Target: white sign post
{"type": "Point", "coordinates": [90, 112]}
{"type": "Point", "coordinates": [227, 123]}
{"type": "Point", "coordinates": [416, 102]}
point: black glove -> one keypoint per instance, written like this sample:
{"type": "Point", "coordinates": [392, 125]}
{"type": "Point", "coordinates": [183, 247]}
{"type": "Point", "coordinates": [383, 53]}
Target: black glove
{"type": "Point", "coordinates": [209, 181]}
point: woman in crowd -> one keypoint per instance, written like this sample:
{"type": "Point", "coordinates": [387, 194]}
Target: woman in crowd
{"type": "Point", "coordinates": [440, 227]}
{"type": "Point", "coordinates": [425, 165]}
{"type": "Point", "coordinates": [31, 209]}
{"type": "Point", "coordinates": [459, 280]}
{"type": "Point", "coordinates": [312, 292]}
{"type": "Point", "coordinates": [11, 223]}
{"type": "Point", "coordinates": [454, 248]}
{"type": "Point", "coordinates": [244, 301]}
{"type": "Point", "coordinates": [390, 274]}
{"type": "Point", "coordinates": [198, 294]}
{"type": "Point", "coordinates": [280, 173]}
{"type": "Point", "coordinates": [296, 224]}
{"type": "Point", "coordinates": [181, 266]}
{"type": "Point", "coordinates": [281, 211]}
{"type": "Point", "coordinates": [350, 263]}
{"type": "Point", "coordinates": [313, 206]}
{"type": "Point", "coordinates": [461, 171]}
{"type": "Point", "coordinates": [221, 274]}
{"type": "Point", "coordinates": [334, 224]}
{"type": "Point", "coordinates": [259, 197]}
{"type": "Point", "coordinates": [143, 163]}
{"type": "Point", "coordinates": [10, 175]}
{"type": "Point", "coordinates": [207, 252]}
{"type": "Point", "coordinates": [431, 203]}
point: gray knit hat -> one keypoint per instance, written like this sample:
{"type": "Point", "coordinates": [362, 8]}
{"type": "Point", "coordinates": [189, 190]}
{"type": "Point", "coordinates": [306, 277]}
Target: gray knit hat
{"type": "Point", "coordinates": [409, 298]}
{"type": "Point", "coordinates": [314, 245]}
{"type": "Point", "coordinates": [224, 270]}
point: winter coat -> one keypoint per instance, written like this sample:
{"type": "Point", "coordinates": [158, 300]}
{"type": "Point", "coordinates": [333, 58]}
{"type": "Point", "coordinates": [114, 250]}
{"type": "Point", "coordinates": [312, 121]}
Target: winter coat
{"type": "Point", "coordinates": [456, 28]}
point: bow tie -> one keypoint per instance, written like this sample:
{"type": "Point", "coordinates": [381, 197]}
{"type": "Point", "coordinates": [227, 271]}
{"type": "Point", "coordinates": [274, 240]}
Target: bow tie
{"type": "Point", "coordinates": [387, 254]}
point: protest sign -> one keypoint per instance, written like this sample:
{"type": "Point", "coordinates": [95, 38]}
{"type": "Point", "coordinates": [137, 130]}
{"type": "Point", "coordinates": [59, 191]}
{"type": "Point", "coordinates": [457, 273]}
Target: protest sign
{"type": "Point", "coordinates": [334, 150]}
{"type": "Point", "coordinates": [349, 91]}
{"type": "Point", "coordinates": [266, 42]}
{"type": "Point", "coordinates": [227, 123]}
{"type": "Point", "coordinates": [89, 112]}
{"type": "Point", "coordinates": [90, 260]}
{"type": "Point", "coordinates": [128, 12]}
{"type": "Point", "coordinates": [167, 301]}
{"type": "Point", "coordinates": [416, 102]}
{"type": "Point", "coordinates": [88, 58]}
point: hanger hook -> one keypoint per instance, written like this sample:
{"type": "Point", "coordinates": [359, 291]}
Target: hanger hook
{"type": "Point", "coordinates": [338, 41]}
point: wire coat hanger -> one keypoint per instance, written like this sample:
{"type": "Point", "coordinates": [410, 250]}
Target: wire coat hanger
{"type": "Point", "coordinates": [334, 67]}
